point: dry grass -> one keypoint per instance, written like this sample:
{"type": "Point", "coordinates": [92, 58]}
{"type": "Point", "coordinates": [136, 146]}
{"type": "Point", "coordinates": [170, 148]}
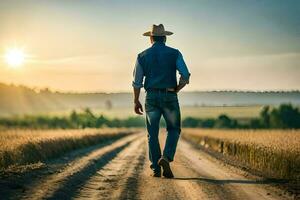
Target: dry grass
{"type": "Point", "coordinates": [273, 152]}
{"type": "Point", "coordinates": [288, 140]}
{"type": "Point", "coordinates": [19, 147]}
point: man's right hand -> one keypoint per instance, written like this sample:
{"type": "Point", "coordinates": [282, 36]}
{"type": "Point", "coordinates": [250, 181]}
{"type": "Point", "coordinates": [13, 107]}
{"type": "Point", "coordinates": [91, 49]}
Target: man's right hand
{"type": "Point", "coordinates": [138, 108]}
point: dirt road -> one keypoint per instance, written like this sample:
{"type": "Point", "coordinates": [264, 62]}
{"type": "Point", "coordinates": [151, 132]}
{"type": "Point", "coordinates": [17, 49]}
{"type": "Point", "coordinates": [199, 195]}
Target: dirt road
{"type": "Point", "coordinates": [121, 171]}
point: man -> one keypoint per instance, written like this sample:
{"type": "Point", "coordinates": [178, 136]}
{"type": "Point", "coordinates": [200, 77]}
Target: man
{"type": "Point", "coordinates": [158, 65]}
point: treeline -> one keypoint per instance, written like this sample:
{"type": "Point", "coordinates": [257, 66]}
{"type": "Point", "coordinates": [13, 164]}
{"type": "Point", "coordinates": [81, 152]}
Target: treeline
{"type": "Point", "coordinates": [283, 117]}
{"type": "Point", "coordinates": [85, 119]}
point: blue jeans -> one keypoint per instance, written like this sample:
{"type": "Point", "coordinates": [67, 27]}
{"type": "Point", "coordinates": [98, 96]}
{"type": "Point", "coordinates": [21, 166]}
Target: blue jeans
{"type": "Point", "coordinates": [157, 104]}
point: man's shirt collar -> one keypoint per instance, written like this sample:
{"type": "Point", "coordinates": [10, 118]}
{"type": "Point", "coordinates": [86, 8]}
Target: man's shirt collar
{"type": "Point", "coordinates": [158, 44]}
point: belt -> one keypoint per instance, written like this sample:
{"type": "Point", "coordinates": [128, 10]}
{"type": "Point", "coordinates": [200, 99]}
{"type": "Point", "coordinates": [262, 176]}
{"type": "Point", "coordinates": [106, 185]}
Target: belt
{"type": "Point", "coordinates": [161, 89]}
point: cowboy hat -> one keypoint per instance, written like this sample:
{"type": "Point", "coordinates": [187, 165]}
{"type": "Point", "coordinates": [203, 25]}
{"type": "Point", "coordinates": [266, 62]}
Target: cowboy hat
{"type": "Point", "coordinates": [157, 31]}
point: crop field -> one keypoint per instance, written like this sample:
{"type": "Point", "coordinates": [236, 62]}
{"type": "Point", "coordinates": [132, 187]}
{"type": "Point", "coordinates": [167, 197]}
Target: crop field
{"type": "Point", "coordinates": [273, 152]}
{"type": "Point", "coordinates": [194, 111]}
{"type": "Point", "coordinates": [19, 147]}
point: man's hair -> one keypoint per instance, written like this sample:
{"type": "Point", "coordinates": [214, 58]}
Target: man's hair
{"type": "Point", "coordinates": [159, 38]}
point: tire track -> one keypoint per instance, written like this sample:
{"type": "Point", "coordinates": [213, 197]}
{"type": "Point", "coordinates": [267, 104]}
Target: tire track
{"type": "Point", "coordinates": [130, 191]}
{"type": "Point", "coordinates": [63, 184]}
{"type": "Point", "coordinates": [119, 177]}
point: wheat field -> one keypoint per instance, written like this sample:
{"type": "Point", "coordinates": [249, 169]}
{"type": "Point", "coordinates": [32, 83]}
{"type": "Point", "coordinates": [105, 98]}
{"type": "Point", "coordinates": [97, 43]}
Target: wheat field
{"type": "Point", "coordinates": [19, 147]}
{"type": "Point", "coordinates": [275, 153]}
{"type": "Point", "coordinates": [278, 140]}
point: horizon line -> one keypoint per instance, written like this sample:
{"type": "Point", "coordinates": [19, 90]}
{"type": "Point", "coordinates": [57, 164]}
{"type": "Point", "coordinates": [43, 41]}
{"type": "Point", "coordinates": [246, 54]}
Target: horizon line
{"type": "Point", "coordinates": [49, 89]}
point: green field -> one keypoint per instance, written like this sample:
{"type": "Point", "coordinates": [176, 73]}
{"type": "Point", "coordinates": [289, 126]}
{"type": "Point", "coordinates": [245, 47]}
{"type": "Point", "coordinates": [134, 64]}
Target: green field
{"type": "Point", "coordinates": [186, 111]}
{"type": "Point", "coordinates": [194, 111]}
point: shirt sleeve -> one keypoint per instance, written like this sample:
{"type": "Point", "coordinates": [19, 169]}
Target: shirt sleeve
{"type": "Point", "coordinates": [138, 75]}
{"type": "Point", "coordinates": [182, 69]}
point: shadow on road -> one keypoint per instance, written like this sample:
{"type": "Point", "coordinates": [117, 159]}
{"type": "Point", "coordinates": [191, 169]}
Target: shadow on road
{"type": "Point", "coordinates": [228, 181]}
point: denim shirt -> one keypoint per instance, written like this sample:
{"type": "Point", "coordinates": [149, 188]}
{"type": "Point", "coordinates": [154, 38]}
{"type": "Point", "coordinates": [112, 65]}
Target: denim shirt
{"type": "Point", "coordinates": [140, 73]}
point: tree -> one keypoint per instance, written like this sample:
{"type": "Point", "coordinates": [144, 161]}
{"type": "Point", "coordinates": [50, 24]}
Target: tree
{"type": "Point", "coordinates": [265, 117]}
{"type": "Point", "coordinates": [191, 122]}
{"type": "Point", "coordinates": [101, 121]}
{"type": "Point", "coordinates": [286, 116]}
{"type": "Point", "coordinates": [224, 121]}
{"type": "Point", "coordinates": [74, 119]}
{"type": "Point", "coordinates": [255, 123]}
{"type": "Point", "coordinates": [208, 123]}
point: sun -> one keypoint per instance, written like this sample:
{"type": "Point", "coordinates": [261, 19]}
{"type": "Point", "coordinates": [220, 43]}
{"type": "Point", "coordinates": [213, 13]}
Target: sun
{"type": "Point", "coordinates": [14, 57]}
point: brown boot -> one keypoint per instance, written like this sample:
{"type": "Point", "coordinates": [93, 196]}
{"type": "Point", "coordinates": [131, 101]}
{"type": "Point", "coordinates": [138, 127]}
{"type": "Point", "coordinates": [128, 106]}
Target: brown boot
{"type": "Point", "coordinates": [156, 174]}
{"type": "Point", "coordinates": [167, 172]}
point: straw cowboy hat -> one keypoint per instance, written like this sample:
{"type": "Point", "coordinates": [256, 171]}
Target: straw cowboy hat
{"type": "Point", "coordinates": [157, 31]}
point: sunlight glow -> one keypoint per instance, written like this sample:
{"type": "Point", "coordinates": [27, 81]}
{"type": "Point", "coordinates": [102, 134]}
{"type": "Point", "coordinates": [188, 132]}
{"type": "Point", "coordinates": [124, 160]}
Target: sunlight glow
{"type": "Point", "coordinates": [14, 57]}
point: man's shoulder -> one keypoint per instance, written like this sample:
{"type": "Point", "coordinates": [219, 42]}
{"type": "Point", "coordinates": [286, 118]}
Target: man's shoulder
{"type": "Point", "coordinates": [145, 52]}
{"type": "Point", "coordinates": [172, 49]}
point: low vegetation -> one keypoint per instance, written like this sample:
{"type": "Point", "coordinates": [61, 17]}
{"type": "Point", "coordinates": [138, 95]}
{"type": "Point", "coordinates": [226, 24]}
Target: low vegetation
{"type": "Point", "coordinates": [19, 147]}
{"type": "Point", "coordinates": [283, 117]}
{"type": "Point", "coordinates": [275, 153]}
{"type": "Point", "coordinates": [76, 120]}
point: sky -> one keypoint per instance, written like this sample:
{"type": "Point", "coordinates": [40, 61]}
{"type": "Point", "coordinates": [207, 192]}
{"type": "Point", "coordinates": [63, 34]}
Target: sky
{"type": "Point", "coordinates": [91, 46]}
